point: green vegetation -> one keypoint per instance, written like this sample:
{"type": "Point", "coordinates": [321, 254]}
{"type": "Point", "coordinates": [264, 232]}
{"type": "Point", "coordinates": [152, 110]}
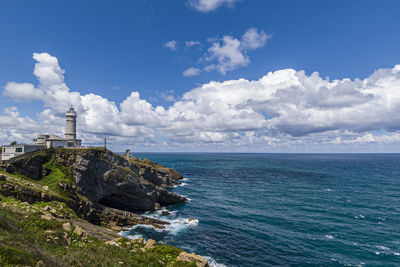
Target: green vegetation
{"type": "Point", "coordinates": [58, 175]}
{"type": "Point", "coordinates": [38, 185]}
{"type": "Point", "coordinates": [146, 163]}
{"type": "Point", "coordinates": [166, 253]}
{"type": "Point", "coordinates": [26, 239]}
{"type": "Point", "coordinates": [33, 234]}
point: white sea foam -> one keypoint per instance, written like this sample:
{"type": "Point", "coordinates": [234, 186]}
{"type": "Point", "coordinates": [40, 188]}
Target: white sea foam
{"type": "Point", "coordinates": [329, 190]}
{"type": "Point", "coordinates": [132, 236]}
{"type": "Point", "coordinates": [213, 263]}
{"type": "Point", "coordinates": [382, 248]}
{"type": "Point", "coordinates": [180, 224]}
{"type": "Point", "coordinates": [176, 224]}
{"type": "Point", "coordinates": [182, 184]}
{"type": "Point", "coordinates": [329, 236]}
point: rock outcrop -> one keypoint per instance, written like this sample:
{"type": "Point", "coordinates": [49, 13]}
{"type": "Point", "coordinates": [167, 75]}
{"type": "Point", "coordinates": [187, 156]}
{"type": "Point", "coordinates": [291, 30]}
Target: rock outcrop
{"type": "Point", "coordinates": [157, 174]}
{"type": "Point", "coordinates": [191, 257]}
{"type": "Point", "coordinates": [100, 186]}
{"type": "Point", "coordinates": [104, 177]}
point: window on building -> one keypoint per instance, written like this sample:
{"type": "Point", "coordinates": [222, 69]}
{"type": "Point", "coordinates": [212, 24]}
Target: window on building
{"type": "Point", "coordinates": [18, 149]}
{"type": "Point", "coordinates": [4, 149]}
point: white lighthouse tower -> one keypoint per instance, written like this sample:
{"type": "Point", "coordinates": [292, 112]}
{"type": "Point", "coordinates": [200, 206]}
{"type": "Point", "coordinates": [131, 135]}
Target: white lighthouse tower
{"type": "Point", "coordinates": [70, 126]}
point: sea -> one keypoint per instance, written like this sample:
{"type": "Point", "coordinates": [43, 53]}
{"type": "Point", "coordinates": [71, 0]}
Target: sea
{"type": "Point", "coordinates": [283, 209]}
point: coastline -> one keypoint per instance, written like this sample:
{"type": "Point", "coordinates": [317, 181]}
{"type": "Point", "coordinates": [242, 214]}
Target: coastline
{"type": "Point", "coordinates": [57, 177]}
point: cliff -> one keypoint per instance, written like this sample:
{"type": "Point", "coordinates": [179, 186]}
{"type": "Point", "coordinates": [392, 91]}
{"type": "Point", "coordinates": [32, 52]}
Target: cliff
{"type": "Point", "coordinates": [75, 201]}
{"type": "Point", "coordinates": [99, 185]}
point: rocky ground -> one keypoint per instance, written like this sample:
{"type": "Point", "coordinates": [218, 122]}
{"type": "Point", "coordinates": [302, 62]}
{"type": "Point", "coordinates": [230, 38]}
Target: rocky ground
{"type": "Point", "coordinates": [65, 207]}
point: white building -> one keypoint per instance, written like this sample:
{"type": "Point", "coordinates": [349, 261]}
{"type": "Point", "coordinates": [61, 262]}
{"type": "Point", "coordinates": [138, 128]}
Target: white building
{"type": "Point", "coordinates": [69, 140]}
{"type": "Point", "coordinates": [47, 140]}
{"type": "Point", "coordinates": [11, 151]}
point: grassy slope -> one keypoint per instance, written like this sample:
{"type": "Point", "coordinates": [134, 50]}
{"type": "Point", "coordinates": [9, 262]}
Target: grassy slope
{"type": "Point", "coordinates": [26, 238]}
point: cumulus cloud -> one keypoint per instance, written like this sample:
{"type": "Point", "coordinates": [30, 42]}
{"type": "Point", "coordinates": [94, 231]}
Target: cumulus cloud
{"type": "Point", "coordinates": [191, 72]}
{"type": "Point", "coordinates": [22, 91]}
{"type": "Point", "coordinates": [285, 108]}
{"type": "Point", "coordinates": [210, 5]}
{"type": "Point", "coordinates": [171, 45]}
{"type": "Point", "coordinates": [229, 53]}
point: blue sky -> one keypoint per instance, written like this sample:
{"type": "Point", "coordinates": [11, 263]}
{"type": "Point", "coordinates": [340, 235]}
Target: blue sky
{"type": "Point", "coordinates": [113, 48]}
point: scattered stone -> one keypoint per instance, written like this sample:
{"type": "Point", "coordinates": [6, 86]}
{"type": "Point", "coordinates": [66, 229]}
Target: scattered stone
{"type": "Point", "coordinates": [3, 205]}
{"type": "Point", "coordinates": [149, 244]}
{"type": "Point", "coordinates": [46, 217]}
{"type": "Point", "coordinates": [158, 226]}
{"type": "Point", "coordinates": [115, 227]}
{"type": "Point", "coordinates": [157, 206]}
{"type": "Point", "coordinates": [191, 219]}
{"type": "Point", "coordinates": [139, 240]}
{"type": "Point", "coordinates": [165, 213]}
{"type": "Point", "coordinates": [39, 264]}
{"type": "Point", "coordinates": [47, 208]}
{"type": "Point", "coordinates": [67, 227]}
{"type": "Point", "coordinates": [79, 231]}
{"type": "Point", "coordinates": [46, 188]}
{"type": "Point", "coordinates": [67, 239]}
{"type": "Point", "coordinates": [142, 249]}
{"type": "Point", "coordinates": [3, 177]}
{"type": "Point", "coordinates": [49, 232]}
{"type": "Point", "coordinates": [109, 242]}
{"type": "Point", "coordinates": [191, 257]}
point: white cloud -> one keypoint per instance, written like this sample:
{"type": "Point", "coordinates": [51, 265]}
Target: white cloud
{"type": "Point", "coordinates": [252, 39]}
{"type": "Point", "coordinates": [191, 72]}
{"type": "Point", "coordinates": [283, 109]}
{"type": "Point", "coordinates": [210, 5]}
{"type": "Point", "coordinates": [22, 91]}
{"type": "Point", "coordinates": [229, 53]}
{"type": "Point", "coordinates": [171, 45]}
{"type": "Point", "coordinates": [192, 43]}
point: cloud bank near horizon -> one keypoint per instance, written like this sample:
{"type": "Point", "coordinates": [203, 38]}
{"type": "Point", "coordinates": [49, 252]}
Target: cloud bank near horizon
{"type": "Point", "coordinates": [284, 109]}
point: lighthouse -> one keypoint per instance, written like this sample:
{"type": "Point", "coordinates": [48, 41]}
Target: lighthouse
{"type": "Point", "coordinates": [70, 126]}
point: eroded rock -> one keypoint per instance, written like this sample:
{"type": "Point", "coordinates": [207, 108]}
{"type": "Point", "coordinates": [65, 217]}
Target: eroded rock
{"type": "Point", "coordinates": [149, 244]}
{"type": "Point", "coordinates": [191, 257]}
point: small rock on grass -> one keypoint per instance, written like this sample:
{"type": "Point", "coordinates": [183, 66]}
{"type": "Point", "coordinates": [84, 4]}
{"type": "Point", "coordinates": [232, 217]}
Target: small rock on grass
{"type": "Point", "coordinates": [67, 226]}
{"type": "Point", "coordinates": [191, 257]}
{"type": "Point", "coordinates": [138, 241]}
{"type": "Point", "coordinates": [149, 244]}
{"type": "Point", "coordinates": [46, 217]}
{"type": "Point", "coordinates": [79, 231]}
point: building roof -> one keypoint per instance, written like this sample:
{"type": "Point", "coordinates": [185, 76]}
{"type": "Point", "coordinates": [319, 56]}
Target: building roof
{"type": "Point", "coordinates": [71, 111]}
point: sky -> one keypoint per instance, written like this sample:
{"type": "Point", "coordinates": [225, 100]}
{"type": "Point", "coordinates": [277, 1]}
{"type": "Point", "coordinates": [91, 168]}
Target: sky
{"type": "Point", "coordinates": [204, 75]}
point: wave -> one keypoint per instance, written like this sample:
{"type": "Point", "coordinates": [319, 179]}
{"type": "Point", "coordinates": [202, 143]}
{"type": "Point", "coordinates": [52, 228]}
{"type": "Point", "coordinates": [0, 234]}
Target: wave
{"type": "Point", "coordinates": [213, 263]}
{"type": "Point", "coordinates": [175, 226]}
{"type": "Point", "coordinates": [382, 248]}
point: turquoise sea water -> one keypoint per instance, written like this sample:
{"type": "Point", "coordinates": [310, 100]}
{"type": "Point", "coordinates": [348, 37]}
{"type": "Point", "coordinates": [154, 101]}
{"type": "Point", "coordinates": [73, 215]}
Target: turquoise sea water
{"type": "Point", "coordinates": [285, 209]}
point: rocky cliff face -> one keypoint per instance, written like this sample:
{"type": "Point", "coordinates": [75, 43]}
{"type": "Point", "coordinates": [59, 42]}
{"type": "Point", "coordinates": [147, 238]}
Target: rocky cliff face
{"type": "Point", "coordinates": [103, 177]}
